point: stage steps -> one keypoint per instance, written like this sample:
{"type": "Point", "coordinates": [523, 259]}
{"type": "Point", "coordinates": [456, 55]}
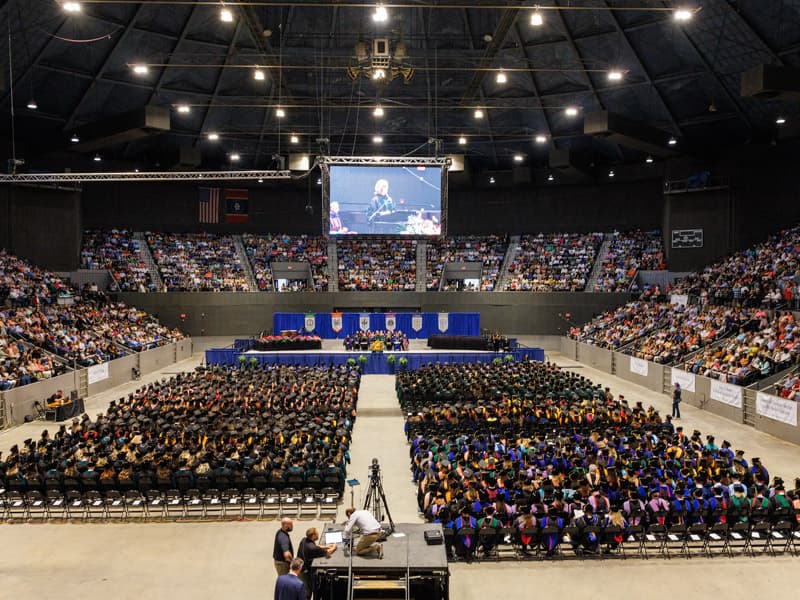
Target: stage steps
{"type": "Point", "coordinates": [241, 253]}
{"type": "Point", "coordinates": [511, 253]}
{"type": "Point", "coordinates": [599, 259]}
{"type": "Point", "coordinates": [377, 588]}
{"type": "Point", "coordinates": [422, 265]}
{"type": "Point", "coordinates": [333, 266]}
{"type": "Point", "coordinates": [147, 257]}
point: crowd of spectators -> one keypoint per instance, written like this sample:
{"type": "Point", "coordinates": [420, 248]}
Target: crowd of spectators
{"type": "Point", "coordinates": [264, 250]}
{"type": "Point", "coordinates": [553, 262]}
{"type": "Point", "coordinates": [377, 265]}
{"type": "Point", "coordinates": [217, 427]}
{"type": "Point", "coordinates": [117, 251]}
{"type": "Point", "coordinates": [487, 250]}
{"type": "Point", "coordinates": [41, 316]}
{"type": "Point", "coordinates": [197, 262]}
{"type": "Point", "coordinates": [769, 345]}
{"type": "Point", "coordinates": [789, 386]}
{"type": "Point", "coordinates": [621, 326]}
{"type": "Point", "coordinates": [628, 253]}
{"type": "Point", "coordinates": [534, 448]}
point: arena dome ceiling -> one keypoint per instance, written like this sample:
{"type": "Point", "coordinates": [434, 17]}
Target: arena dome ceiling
{"type": "Point", "coordinates": [91, 67]}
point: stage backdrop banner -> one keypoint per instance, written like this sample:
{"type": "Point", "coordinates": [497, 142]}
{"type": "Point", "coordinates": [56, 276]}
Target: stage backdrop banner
{"type": "Point", "coordinates": [391, 321]}
{"type": "Point", "coordinates": [726, 393]}
{"type": "Point", "coordinates": [444, 322]}
{"type": "Point", "coordinates": [639, 366]}
{"type": "Point", "coordinates": [777, 409]}
{"type": "Point", "coordinates": [414, 325]}
{"type": "Point", "coordinates": [310, 322]}
{"type": "Point", "coordinates": [685, 378]}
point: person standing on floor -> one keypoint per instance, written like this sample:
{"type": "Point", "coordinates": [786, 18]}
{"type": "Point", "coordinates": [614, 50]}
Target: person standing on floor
{"type": "Point", "coordinates": [676, 401]}
{"type": "Point", "coordinates": [289, 586]}
{"type": "Point", "coordinates": [283, 551]}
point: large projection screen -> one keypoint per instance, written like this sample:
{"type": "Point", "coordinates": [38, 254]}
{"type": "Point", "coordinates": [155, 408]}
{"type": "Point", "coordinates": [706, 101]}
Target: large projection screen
{"type": "Point", "coordinates": [385, 200]}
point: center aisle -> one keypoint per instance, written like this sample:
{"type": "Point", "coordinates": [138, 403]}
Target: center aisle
{"type": "Point", "coordinates": [378, 433]}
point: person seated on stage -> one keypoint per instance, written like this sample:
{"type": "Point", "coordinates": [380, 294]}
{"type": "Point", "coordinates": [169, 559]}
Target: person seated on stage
{"type": "Point", "coordinates": [348, 342]}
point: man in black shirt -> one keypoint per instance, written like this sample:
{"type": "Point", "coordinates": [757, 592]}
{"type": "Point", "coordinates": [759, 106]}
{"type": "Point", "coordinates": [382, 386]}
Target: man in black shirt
{"type": "Point", "coordinates": [283, 551]}
{"type": "Point", "coordinates": [308, 551]}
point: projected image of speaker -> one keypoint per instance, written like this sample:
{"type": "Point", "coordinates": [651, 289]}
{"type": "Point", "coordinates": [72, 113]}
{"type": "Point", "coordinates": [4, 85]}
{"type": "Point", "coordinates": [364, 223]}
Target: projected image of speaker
{"type": "Point", "coordinates": [386, 200]}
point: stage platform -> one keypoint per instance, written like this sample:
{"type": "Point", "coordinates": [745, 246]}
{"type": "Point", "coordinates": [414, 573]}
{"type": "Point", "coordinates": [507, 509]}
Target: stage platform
{"type": "Point", "coordinates": [405, 552]}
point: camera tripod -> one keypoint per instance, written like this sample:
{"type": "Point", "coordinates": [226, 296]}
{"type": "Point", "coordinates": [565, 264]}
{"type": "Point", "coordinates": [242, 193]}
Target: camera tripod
{"type": "Point", "coordinates": [375, 501]}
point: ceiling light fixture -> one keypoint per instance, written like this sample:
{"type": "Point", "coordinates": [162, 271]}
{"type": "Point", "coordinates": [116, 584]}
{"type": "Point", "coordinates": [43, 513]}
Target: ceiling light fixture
{"type": "Point", "coordinates": [260, 181]}
{"type": "Point", "coordinates": [258, 75]}
{"type": "Point", "coordinates": [226, 16]}
{"type": "Point", "coordinates": [71, 7]}
{"type": "Point", "coordinates": [611, 173]}
{"type": "Point", "coordinates": [683, 14]}
{"type": "Point", "coordinates": [280, 113]}
{"type": "Point", "coordinates": [376, 139]}
{"type": "Point", "coordinates": [32, 104]}
{"type": "Point", "coordinates": [213, 137]}
{"type": "Point", "coordinates": [294, 139]}
{"type": "Point", "coordinates": [537, 20]}
{"type": "Point", "coordinates": [234, 156]}
{"type": "Point", "coordinates": [378, 74]}
{"type": "Point", "coordinates": [74, 139]}
{"type": "Point", "coordinates": [615, 75]}
{"type": "Point", "coordinates": [550, 177]}
{"type": "Point", "coordinates": [378, 111]}
{"type": "Point", "coordinates": [672, 141]}
{"type": "Point", "coordinates": [184, 109]}
{"type": "Point", "coordinates": [649, 159]}
{"type": "Point", "coordinates": [571, 111]}
{"type": "Point", "coordinates": [140, 69]}
{"type": "Point", "coordinates": [518, 158]}
{"type": "Point", "coordinates": [491, 179]}
{"type": "Point", "coordinates": [381, 15]}
{"type": "Point", "coordinates": [540, 139]}
{"type": "Point", "coordinates": [501, 77]}
{"type": "Point", "coordinates": [319, 180]}
{"type": "Point", "coordinates": [462, 141]}
{"type": "Point", "coordinates": [778, 121]}
{"type": "Point", "coordinates": [478, 114]}
{"type": "Point", "coordinates": [97, 158]}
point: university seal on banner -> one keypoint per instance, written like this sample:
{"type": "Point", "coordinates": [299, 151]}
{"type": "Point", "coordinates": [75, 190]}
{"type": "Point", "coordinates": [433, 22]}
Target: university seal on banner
{"type": "Point", "coordinates": [416, 322]}
{"type": "Point", "coordinates": [363, 322]}
{"type": "Point", "coordinates": [391, 321]}
{"type": "Point", "coordinates": [336, 322]}
{"type": "Point", "coordinates": [444, 322]}
{"type": "Point", "coordinates": [310, 322]}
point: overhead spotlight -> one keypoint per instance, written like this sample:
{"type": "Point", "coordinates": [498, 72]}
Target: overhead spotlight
{"type": "Point", "coordinates": [226, 16]}
{"type": "Point", "coordinates": [381, 15]}
{"type": "Point", "coordinates": [683, 14]}
{"type": "Point", "coordinates": [615, 75]}
{"type": "Point", "coordinates": [140, 69]}
{"type": "Point", "coordinates": [462, 141]}
{"type": "Point", "coordinates": [571, 111]}
{"type": "Point", "coordinates": [319, 180]}
{"type": "Point", "coordinates": [537, 20]}
{"type": "Point", "coordinates": [258, 75]}
{"type": "Point", "coordinates": [378, 111]}
{"type": "Point", "coordinates": [491, 179]}
{"type": "Point", "coordinates": [136, 170]}
{"type": "Point", "coordinates": [478, 114]}
{"type": "Point", "coordinates": [540, 139]}
{"type": "Point", "coordinates": [280, 113]}
{"type": "Point", "coordinates": [778, 121]}
{"type": "Point", "coordinates": [550, 177]}
{"type": "Point", "coordinates": [260, 181]}
{"type": "Point", "coordinates": [213, 137]}
{"type": "Point", "coordinates": [32, 104]}
{"type": "Point", "coordinates": [649, 159]}
{"type": "Point", "coordinates": [294, 139]}
{"type": "Point", "coordinates": [518, 158]}
{"type": "Point", "coordinates": [184, 109]}
{"type": "Point", "coordinates": [379, 74]}
{"type": "Point", "coordinates": [97, 158]}
{"type": "Point", "coordinates": [611, 173]}
{"type": "Point", "coordinates": [501, 77]}
{"type": "Point", "coordinates": [71, 7]}
{"type": "Point", "coordinates": [234, 156]}
{"type": "Point", "coordinates": [672, 141]}
{"type": "Point", "coordinates": [376, 139]}
{"type": "Point", "coordinates": [74, 139]}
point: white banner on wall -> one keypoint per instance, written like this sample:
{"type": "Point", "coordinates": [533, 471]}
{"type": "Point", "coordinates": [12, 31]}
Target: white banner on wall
{"type": "Point", "coordinates": [639, 366]}
{"type": "Point", "coordinates": [97, 373]}
{"type": "Point", "coordinates": [726, 393]}
{"type": "Point", "coordinates": [685, 378]}
{"type": "Point", "coordinates": [679, 299]}
{"type": "Point", "coordinates": [777, 409]}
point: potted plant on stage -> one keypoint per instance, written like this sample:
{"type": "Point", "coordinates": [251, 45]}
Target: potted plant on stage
{"type": "Point", "coordinates": [351, 362]}
{"type": "Point", "coordinates": [362, 361]}
{"type": "Point", "coordinates": [403, 363]}
{"type": "Point", "coordinates": [242, 360]}
{"type": "Point", "coordinates": [497, 361]}
{"type": "Point", "coordinates": [390, 360]}
{"type": "Point", "coordinates": [253, 362]}
{"type": "Point", "coordinates": [508, 358]}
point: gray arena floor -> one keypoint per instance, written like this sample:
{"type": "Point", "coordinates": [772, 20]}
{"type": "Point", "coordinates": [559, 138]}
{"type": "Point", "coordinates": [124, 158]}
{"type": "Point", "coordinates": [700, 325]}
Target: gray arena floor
{"type": "Point", "coordinates": [198, 561]}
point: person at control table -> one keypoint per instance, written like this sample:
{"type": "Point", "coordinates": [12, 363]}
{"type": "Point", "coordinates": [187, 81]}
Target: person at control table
{"type": "Point", "coordinates": [370, 531]}
{"type": "Point", "coordinates": [381, 203]}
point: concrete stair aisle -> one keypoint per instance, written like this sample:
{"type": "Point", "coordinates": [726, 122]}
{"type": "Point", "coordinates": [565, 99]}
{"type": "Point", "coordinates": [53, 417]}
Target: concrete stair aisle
{"type": "Point", "coordinates": [422, 265]}
{"type": "Point", "coordinates": [147, 257]}
{"type": "Point", "coordinates": [333, 266]}
{"type": "Point", "coordinates": [599, 259]}
{"type": "Point", "coordinates": [511, 253]}
{"type": "Point", "coordinates": [244, 259]}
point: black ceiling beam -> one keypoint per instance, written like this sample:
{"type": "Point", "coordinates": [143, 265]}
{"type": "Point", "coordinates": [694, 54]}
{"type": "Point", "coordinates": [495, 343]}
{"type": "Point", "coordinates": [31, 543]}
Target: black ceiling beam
{"type": "Point", "coordinates": [180, 39]}
{"type": "Point", "coordinates": [752, 30]}
{"type": "Point", "coordinates": [425, 33]}
{"type": "Point", "coordinates": [217, 84]}
{"type": "Point", "coordinates": [628, 133]}
{"type": "Point", "coordinates": [523, 51]}
{"type": "Point", "coordinates": [468, 26]}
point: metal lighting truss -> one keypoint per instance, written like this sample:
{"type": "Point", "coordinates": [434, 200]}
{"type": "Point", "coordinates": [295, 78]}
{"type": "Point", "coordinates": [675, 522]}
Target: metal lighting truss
{"type": "Point", "coordinates": [385, 161]}
{"type": "Point", "coordinates": [150, 176]}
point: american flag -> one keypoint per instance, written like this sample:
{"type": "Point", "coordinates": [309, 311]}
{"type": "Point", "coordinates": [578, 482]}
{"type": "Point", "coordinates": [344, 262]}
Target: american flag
{"type": "Point", "coordinates": [208, 200]}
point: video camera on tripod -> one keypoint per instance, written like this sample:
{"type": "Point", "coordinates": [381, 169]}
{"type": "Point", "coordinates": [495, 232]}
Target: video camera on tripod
{"type": "Point", "coordinates": [376, 499]}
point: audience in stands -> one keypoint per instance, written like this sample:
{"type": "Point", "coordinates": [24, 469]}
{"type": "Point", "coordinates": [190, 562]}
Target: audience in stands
{"type": "Point", "coordinates": [117, 251]}
{"type": "Point", "coordinates": [628, 253]}
{"type": "Point", "coordinates": [559, 262]}
{"type": "Point", "coordinates": [215, 428]}
{"type": "Point", "coordinates": [526, 446]}
{"type": "Point", "coordinates": [488, 250]}
{"type": "Point", "coordinates": [201, 262]}
{"type": "Point", "coordinates": [377, 265]}
{"type": "Point", "coordinates": [264, 250]}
